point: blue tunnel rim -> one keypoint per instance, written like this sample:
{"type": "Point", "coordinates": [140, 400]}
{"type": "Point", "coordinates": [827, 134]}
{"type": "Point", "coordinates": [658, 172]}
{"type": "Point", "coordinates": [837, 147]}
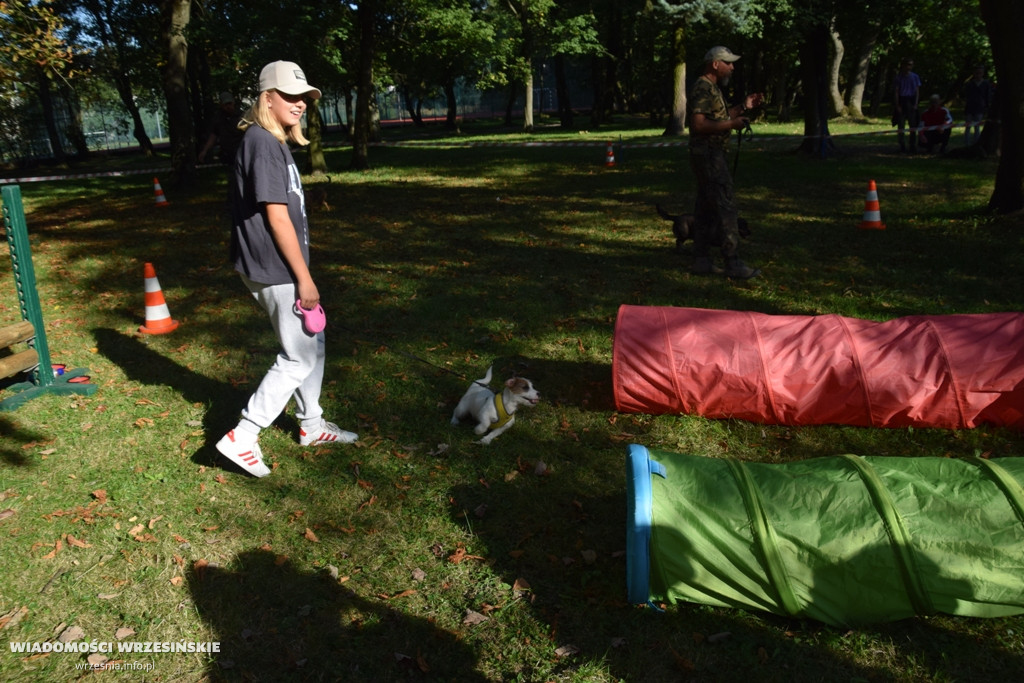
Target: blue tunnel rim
{"type": "Point", "coordinates": [639, 519]}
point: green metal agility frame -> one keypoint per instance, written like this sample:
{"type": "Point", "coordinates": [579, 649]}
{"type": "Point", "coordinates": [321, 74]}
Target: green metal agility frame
{"type": "Point", "coordinates": [42, 376]}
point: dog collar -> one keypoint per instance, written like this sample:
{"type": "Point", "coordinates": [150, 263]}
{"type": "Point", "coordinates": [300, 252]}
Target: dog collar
{"type": "Point", "coordinates": [503, 416]}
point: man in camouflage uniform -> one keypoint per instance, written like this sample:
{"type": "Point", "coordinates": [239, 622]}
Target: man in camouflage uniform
{"type": "Point", "coordinates": [711, 123]}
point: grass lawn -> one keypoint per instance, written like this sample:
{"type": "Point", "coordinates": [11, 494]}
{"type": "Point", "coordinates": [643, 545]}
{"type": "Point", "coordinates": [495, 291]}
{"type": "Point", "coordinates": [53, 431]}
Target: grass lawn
{"type": "Point", "coordinates": [416, 554]}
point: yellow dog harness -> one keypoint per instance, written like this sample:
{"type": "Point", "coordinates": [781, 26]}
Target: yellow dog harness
{"type": "Point", "coordinates": [503, 416]}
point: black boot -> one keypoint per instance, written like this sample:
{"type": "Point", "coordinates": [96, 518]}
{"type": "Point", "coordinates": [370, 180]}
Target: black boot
{"type": "Point", "coordinates": [705, 265]}
{"type": "Point", "coordinates": [736, 269]}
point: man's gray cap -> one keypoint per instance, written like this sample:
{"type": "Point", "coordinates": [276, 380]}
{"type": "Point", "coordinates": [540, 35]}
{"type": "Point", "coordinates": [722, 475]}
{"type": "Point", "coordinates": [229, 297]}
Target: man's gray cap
{"type": "Point", "coordinates": [720, 53]}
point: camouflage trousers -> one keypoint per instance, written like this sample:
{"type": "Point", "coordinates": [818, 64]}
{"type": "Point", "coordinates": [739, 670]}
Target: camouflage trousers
{"type": "Point", "coordinates": [715, 214]}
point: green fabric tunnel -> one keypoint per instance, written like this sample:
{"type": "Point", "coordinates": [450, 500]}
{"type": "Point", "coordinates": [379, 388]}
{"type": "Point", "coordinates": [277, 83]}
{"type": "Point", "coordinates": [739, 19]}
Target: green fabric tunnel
{"type": "Point", "coordinates": [845, 540]}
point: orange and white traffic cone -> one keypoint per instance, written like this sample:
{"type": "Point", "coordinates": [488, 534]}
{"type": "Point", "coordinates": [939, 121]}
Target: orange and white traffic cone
{"type": "Point", "coordinates": [158, 193]}
{"type": "Point", "coordinates": [158, 317]}
{"type": "Point", "coordinates": [872, 216]}
{"type": "Point", "coordinates": [609, 158]}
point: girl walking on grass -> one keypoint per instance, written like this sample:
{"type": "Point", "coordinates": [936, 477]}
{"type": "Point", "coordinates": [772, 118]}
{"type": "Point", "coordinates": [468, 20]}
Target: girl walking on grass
{"type": "Point", "coordinates": [270, 250]}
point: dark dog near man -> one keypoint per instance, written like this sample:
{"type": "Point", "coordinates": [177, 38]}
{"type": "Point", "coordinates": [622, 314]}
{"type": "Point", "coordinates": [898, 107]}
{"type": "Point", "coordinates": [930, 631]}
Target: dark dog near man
{"type": "Point", "coordinates": [682, 226]}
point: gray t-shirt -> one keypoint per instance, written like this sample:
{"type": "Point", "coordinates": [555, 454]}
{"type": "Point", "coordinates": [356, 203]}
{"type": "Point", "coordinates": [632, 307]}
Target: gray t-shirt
{"type": "Point", "coordinates": [264, 173]}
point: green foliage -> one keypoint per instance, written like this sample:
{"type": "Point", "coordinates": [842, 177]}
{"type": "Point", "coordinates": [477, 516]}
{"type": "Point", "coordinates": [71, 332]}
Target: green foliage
{"type": "Point", "coordinates": [32, 39]}
{"type": "Point", "coordinates": [725, 14]}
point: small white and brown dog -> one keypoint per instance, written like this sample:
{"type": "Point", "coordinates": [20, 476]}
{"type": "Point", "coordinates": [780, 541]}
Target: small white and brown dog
{"type": "Point", "coordinates": [494, 412]}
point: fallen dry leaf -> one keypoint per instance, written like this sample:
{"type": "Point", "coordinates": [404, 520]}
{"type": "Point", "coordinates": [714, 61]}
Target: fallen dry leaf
{"type": "Point", "coordinates": [310, 536]}
{"type": "Point", "coordinates": [566, 650]}
{"type": "Point", "coordinates": [460, 554]}
{"type": "Point", "coordinates": [124, 632]}
{"type": "Point", "coordinates": [76, 542]}
{"type": "Point", "coordinates": [473, 618]}
{"type": "Point", "coordinates": [177, 580]}
{"type": "Point", "coordinates": [71, 634]}
{"type": "Point", "coordinates": [199, 568]}
{"type": "Point", "coordinates": [4, 514]}
{"type": "Point", "coordinates": [53, 553]}
{"type": "Point", "coordinates": [98, 660]}
{"type": "Point", "coordinates": [12, 617]}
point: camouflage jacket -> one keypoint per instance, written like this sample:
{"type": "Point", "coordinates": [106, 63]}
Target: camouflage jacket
{"type": "Point", "coordinates": [706, 98]}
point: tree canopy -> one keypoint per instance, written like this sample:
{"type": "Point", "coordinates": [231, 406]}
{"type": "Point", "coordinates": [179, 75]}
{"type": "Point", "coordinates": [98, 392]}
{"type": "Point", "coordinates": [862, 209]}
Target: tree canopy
{"type": "Point", "coordinates": [816, 59]}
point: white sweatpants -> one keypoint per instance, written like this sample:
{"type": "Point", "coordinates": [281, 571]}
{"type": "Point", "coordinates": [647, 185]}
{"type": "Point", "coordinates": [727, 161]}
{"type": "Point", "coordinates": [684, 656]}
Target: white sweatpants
{"type": "Point", "coordinates": [299, 368]}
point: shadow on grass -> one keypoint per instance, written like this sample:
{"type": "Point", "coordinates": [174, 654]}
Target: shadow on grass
{"type": "Point", "coordinates": [10, 456]}
{"type": "Point", "coordinates": [583, 384]}
{"type": "Point", "coordinates": [277, 623]}
{"type": "Point", "coordinates": [147, 367]}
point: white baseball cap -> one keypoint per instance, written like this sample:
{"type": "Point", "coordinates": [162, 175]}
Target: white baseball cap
{"type": "Point", "coordinates": [286, 77]}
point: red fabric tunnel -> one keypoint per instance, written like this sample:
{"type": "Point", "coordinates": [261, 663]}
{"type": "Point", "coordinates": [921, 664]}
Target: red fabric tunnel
{"type": "Point", "coordinates": [950, 371]}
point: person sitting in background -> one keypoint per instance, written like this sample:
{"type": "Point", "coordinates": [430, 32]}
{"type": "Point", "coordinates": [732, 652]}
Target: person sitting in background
{"type": "Point", "coordinates": [936, 122]}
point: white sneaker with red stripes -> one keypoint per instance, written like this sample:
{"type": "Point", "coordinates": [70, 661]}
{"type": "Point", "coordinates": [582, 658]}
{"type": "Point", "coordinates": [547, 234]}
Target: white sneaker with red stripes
{"type": "Point", "coordinates": [326, 433]}
{"type": "Point", "coordinates": [245, 454]}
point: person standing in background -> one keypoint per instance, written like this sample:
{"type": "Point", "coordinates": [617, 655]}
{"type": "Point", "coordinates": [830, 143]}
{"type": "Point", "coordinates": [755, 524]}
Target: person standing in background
{"type": "Point", "coordinates": [977, 92]}
{"type": "Point", "coordinates": [711, 124]}
{"type": "Point", "coordinates": [906, 95]}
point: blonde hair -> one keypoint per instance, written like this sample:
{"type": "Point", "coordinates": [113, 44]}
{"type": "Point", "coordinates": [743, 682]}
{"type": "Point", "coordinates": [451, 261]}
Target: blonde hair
{"type": "Point", "coordinates": [259, 114]}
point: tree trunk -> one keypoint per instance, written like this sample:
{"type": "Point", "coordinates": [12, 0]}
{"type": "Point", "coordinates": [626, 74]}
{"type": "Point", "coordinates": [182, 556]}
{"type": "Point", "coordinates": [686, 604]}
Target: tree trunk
{"type": "Point", "coordinates": [364, 85]}
{"type": "Point", "coordinates": [176, 15]}
{"type": "Point", "coordinates": [855, 100]}
{"type": "Point", "coordinates": [74, 131]}
{"type": "Point", "coordinates": [596, 110]}
{"type": "Point", "coordinates": [451, 119]}
{"type": "Point", "coordinates": [883, 88]}
{"type": "Point", "coordinates": [119, 73]}
{"type": "Point", "coordinates": [835, 66]}
{"type": "Point", "coordinates": [779, 81]}
{"type": "Point", "coordinates": [677, 117]}
{"type": "Point", "coordinates": [510, 103]}
{"type": "Point", "coordinates": [1003, 21]}
{"type": "Point", "coordinates": [122, 83]}
{"type": "Point", "coordinates": [316, 164]}
{"type": "Point", "coordinates": [49, 118]}
{"type": "Point", "coordinates": [565, 114]}
{"type": "Point", "coordinates": [412, 107]}
{"type": "Point", "coordinates": [814, 60]}
{"type": "Point", "coordinates": [528, 104]}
